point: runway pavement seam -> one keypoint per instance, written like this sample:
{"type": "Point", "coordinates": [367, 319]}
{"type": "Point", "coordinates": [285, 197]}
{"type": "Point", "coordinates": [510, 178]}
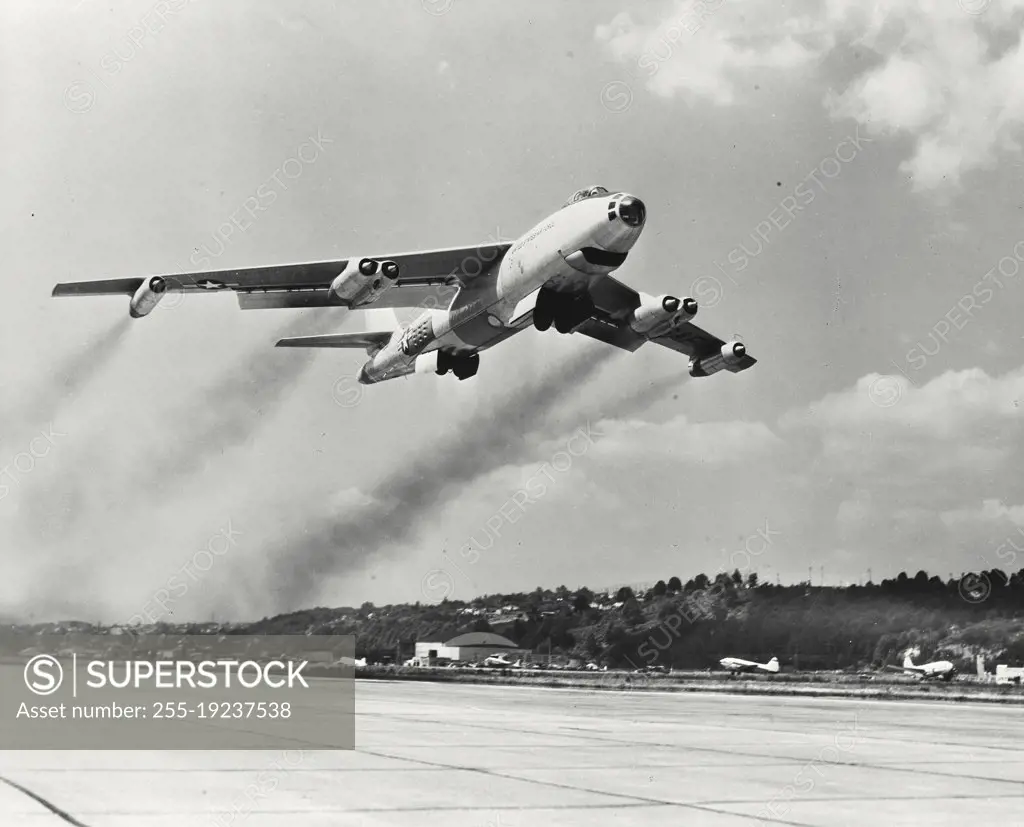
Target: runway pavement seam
{"type": "Point", "coordinates": [749, 694]}
{"type": "Point", "coordinates": [732, 753]}
{"type": "Point", "coordinates": [517, 770]}
{"type": "Point", "coordinates": [597, 734]}
{"type": "Point", "coordinates": [53, 808]}
{"type": "Point", "coordinates": [634, 800]}
{"type": "Point", "coordinates": [850, 798]}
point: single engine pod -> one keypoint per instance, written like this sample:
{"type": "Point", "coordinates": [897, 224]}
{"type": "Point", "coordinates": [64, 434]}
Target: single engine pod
{"type": "Point", "coordinates": [147, 297]}
{"type": "Point", "coordinates": [730, 356]}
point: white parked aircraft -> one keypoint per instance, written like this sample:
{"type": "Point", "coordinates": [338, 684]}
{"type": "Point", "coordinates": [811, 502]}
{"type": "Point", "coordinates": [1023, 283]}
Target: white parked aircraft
{"type": "Point", "coordinates": [556, 274]}
{"type": "Point", "coordinates": [740, 665]}
{"type": "Point", "coordinates": [936, 670]}
{"type": "Point", "coordinates": [497, 660]}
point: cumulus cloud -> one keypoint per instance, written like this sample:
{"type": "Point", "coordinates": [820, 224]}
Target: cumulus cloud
{"type": "Point", "coordinates": [960, 423]}
{"type": "Point", "coordinates": [915, 473]}
{"type": "Point", "coordinates": [690, 53]}
{"type": "Point", "coordinates": [714, 444]}
{"type": "Point", "coordinates": [990, 511]}
{"type": "Point", "coordinates": [945, 407]}
{"type": "Point", "coordinates": [946, 78]}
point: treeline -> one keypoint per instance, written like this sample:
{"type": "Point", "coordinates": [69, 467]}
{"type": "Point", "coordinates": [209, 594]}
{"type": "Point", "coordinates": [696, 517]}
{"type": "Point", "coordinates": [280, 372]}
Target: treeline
{"type": "Point", "coordinates": [692, 625]}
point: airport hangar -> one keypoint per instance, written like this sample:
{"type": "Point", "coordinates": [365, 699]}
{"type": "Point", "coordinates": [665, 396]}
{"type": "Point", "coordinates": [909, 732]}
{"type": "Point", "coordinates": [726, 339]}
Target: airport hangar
{"type": "Point", "coordinates": [471, 647]}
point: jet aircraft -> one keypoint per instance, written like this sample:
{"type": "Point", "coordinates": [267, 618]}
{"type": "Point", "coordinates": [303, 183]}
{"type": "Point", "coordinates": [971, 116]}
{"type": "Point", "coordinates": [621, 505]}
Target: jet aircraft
{"type": "Point", "coordinates": [472, 298]}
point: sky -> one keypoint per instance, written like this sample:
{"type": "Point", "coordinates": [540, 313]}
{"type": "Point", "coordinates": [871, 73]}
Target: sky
{"type": "Point", "coordinates": [838, 185]}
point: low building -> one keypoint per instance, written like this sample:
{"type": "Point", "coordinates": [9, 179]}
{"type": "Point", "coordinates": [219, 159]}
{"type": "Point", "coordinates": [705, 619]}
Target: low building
{"type": "Point", "coordinates": [1009, 674]}
{"type": "Point", "coordinates": [471, 647]}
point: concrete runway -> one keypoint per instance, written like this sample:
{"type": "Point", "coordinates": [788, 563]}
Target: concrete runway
{"type": "Point", "coordinates": [446, 754]}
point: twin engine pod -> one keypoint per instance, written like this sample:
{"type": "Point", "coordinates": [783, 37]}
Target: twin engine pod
{"type": "Point", "coordinates": [147, 297]}
{"type": "Point", "coordinates": [658, 316]}
{"type": "Point", "coordinates": [730, 356]}
{"type": "Point", "coordinates": [364, 280]}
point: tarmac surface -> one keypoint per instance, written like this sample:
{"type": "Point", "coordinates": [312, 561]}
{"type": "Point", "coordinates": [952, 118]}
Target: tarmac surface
{"type": "Point", "coordinates": [446, 754]}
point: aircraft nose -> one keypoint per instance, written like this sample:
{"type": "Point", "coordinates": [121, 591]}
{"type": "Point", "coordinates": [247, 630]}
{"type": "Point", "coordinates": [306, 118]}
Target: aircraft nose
{"type": "Point", "coordinates": [632, 211]}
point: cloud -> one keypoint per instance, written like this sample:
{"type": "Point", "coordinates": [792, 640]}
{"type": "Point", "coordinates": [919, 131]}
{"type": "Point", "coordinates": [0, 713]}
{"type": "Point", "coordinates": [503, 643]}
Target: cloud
{"type": "Point", "coordinates": [990, 511]}
{"type": "Point", "coordinates": [715, 444]}
{"type": "Point", "coordinates": [946, 78]}
{"type": "Point", "coordinates": [961, 422]}
{"type": "Point", "coordinates": [689, 53]}
{"type": "Point", "coordinates": [918, 474]}
{"type": "Point", "coordinates": [941, 408]}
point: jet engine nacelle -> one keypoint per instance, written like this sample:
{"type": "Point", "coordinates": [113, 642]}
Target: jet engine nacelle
{"type": "Point", "coordinates": [364, 280]}
{"type": "Point", "coordinates": [731, 355]}
{"type": "Point", "coordinates": [657, 316]}
{"type": "Point", "coordinates": [147, 297]}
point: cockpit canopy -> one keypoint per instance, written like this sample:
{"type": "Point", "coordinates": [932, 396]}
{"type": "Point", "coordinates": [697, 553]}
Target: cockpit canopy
{"type": "Point", "coordinates": [585, 193]}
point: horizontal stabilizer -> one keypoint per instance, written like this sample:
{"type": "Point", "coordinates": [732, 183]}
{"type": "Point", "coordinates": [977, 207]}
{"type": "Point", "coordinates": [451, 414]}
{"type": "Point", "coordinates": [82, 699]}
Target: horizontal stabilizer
{"type": "Point", "coordinates": [370, 340]}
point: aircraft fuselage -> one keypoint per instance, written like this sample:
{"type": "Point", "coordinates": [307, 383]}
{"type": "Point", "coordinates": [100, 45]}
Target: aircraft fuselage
{"type": "Point", "coordinates": [562, 254]}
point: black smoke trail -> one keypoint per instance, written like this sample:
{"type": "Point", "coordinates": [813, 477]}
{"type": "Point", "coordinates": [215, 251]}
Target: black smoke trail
{"type": "Point", "coordinates": [40, 406]}
{"type": "Point", "coordinates": [499, 434]}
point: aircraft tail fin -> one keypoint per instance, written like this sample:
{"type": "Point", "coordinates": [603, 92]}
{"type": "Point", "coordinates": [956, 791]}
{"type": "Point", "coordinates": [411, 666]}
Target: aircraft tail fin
{"type": "Point", "coordinates": [908, 661]}
{"type": "Point", "coordinates": [772, 665]}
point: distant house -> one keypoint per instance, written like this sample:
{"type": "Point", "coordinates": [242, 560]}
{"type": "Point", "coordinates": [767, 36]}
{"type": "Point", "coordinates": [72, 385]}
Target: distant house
{"type": "Point", "coordinates": [469, 648]}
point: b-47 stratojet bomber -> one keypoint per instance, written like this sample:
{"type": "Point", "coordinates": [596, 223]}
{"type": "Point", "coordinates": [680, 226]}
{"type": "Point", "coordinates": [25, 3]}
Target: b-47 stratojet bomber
{"type": "Point", "coordinates": [557, 274]}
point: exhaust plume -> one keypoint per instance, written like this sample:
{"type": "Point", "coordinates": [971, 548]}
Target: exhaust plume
{"type": "Point", "coordinates": [232, 407]}
{"type": "Point", "coordinates": [494, 436]}
{"type": "Point", "coordinates": [68, 380]}
{"type": "Point", "coordinates": [226, 414]}
{"type": "Point", "coordinates": [641, 399]}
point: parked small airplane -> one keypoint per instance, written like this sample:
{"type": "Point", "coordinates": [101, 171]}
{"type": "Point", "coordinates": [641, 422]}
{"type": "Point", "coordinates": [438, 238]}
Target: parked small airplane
{"type": "Point", "coordinates": [557, 274]}
{"type": "Point", "coordinates": [740, 665]}
{"type": "Point", "coordinates": [497, 660]}
{"type": "Point", "coordinates": [936, 670]}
